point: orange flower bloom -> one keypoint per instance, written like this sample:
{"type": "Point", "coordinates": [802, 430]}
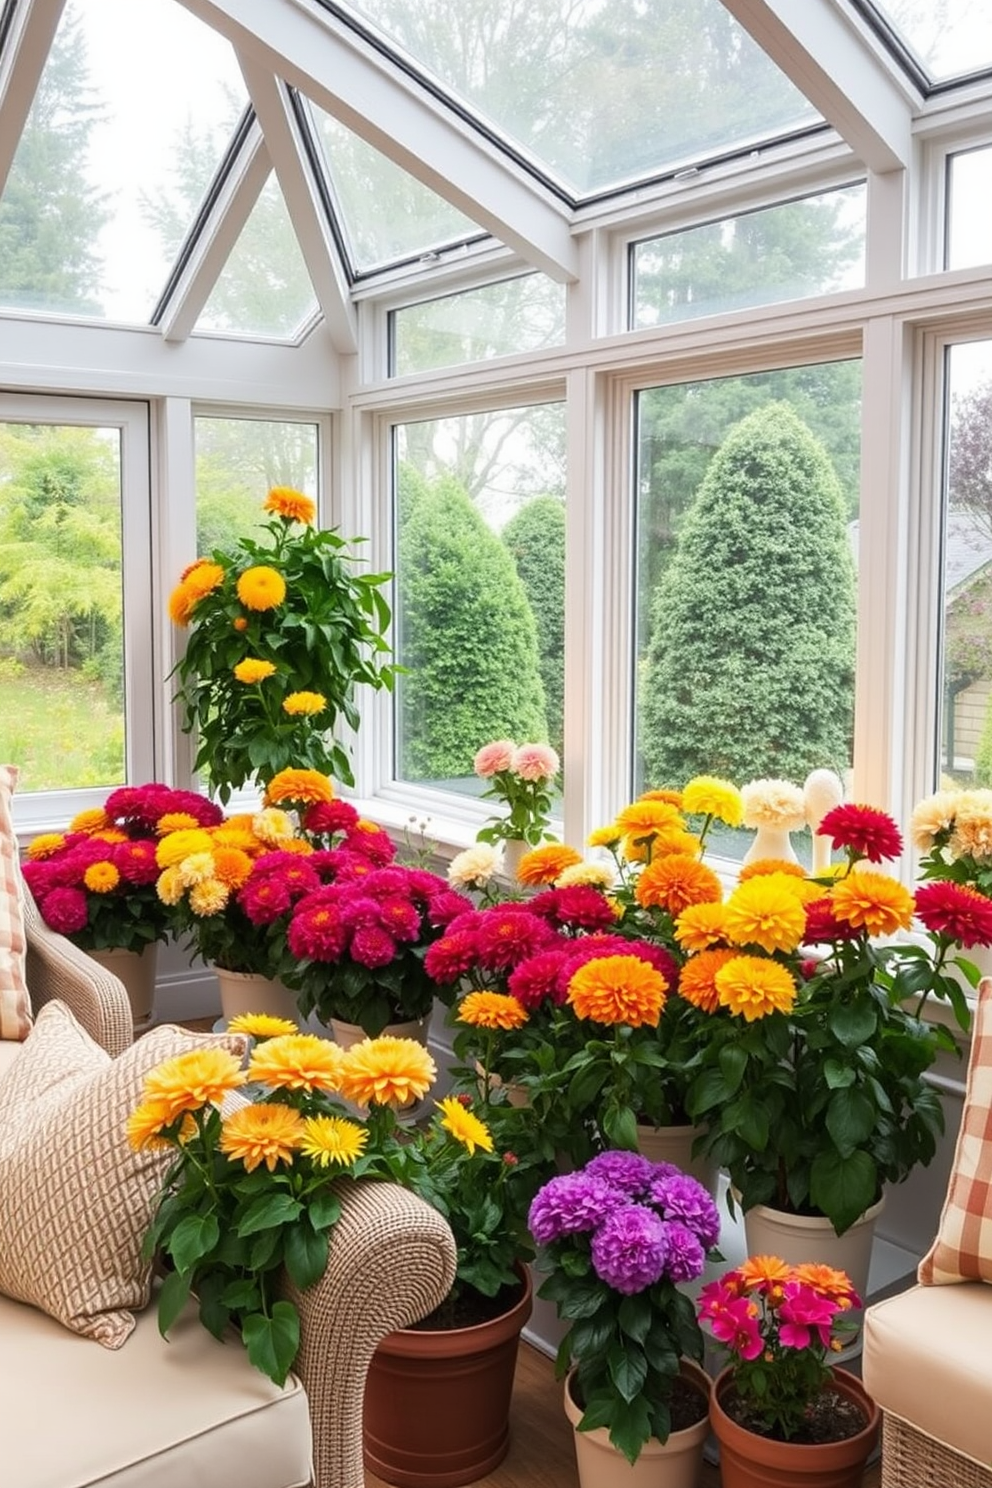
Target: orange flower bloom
{"type": "Point", "coordinates": [697, 979]}
{"type": "Point", "coordinates": [253, 669]}
{"type": "Point", "coordinates": [675, 882]}
{"type": "Point", "coordinates": [826, 1280]}
{"type": "Point", "coordinates": [101, 878]}
{"type": "Point", "coordinates": [664, 843]}
{"type": "Point", "coordinates": [260, 1025]}
{"type": "Point", "coordinates": [761, 866]}
{"type": "Point", "coordinates": [297, 1061]}
{"type": "Point", "coordinates": [387, 1071]}
{"type": "Point", "coordinates": [701, 926]}
{"type": "Point", "coordinates": [292, 505]}
{"type": "Point", "coordinates": [231, 866]}
{"type": "Point", "coordinates": [493, 1010]}
{"type": "Point", "coordinates": [94, 819]}
{"type": "Point", "coordinates": [764, 1271]}
{"type": "Point", "coordinates": [47, 843]}
{"type": "Point", "coordinates": [261, 588]}
{"type": "Point", "coordinates": [669, 797]}
{"type": "Point", "coordinates": [298, 785]}
{"type": "Point", "coordinates": [542, 865]}
{"type": "Point", "coordinates": [199, 1078]}
{"type": "Point", "coordinates": [754, 987]}
{"type": "Point", "coordinates": [766, 912]}
{"type": "Point", "coordinates": [618, 989]}
{"type": "Point", "coordinates": [873, 902]}
{"type": "Point", "coordinates": [262, 1133]}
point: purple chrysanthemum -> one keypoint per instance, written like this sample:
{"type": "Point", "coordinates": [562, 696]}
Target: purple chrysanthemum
{"type": "Point", "coordinates": [680, 1197]}
{"type": "Point", "coordinates": [685, 1256]}
{"type": "Point", "coordinates": [630, 1172]}
{"type": "Point", "coordinates": [569, 1203]}
{"type": "Point", "coordinates": [630, 1249]}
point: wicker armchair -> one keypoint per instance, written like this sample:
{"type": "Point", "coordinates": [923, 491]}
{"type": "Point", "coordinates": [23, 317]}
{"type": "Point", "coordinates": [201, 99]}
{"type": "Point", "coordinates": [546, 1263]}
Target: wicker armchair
{"type": "Point", "coordinates": [392, 1260]}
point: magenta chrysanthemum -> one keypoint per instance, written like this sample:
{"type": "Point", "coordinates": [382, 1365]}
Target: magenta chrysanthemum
{"type": "Point", "coordinates": [864, 830]}
{"type": "Point", "coordinates": [630, 1248]}
{"type": "Point", "coordinates": [953, 910]}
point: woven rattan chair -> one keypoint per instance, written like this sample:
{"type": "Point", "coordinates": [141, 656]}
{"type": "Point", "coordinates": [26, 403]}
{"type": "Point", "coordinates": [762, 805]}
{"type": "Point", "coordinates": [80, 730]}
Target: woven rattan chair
{"type": "Point", "coordinates": [391, 1262]}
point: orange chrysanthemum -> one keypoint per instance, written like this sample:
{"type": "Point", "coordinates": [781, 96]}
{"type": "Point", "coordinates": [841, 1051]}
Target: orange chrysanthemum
{"type": "Point", "coordinates": [200, 1077]}
{"type": "Point", "coordinates": [304, 704]}
{"type": "Point", "coordinates": [292, 505]}
{"type": "Point", "coordinates": [669, 797]}
{"type": "Point", "coordinates": [298, 785]}
{"type": "Point", "coordinates": [387, 1071]}
{"type": "Point", "coordinates": [492, 1010]}
{"type": "Point", "coordinates": [676, 881]}
{"type": "Point", "coordinates": [45, 844]}
{"type": "Point", "coordinates": [237, 832]}
{"type": "Point", "coordinates": [697, 979]}
{"type": "Point", "coordinates": [759, 867]}
{"type": "Point", "coordinates": [701, 926]}
{"type": "Point", "coordinates": [298, 1061]}
{"type": "Point", "coordinates": [826, 1280]}
{"type": "Point", "coordinates": [754, 987]}
{"type": "Point", "coordinates": [101, 878]}
{"type": "Point", "coordinates": [766, 912]}
{"type": "Point", "coordinates": [93, 819]}
{"type": "Point", "coordinates": [873, 902]}
{"type": "Point", "coordinates": [231, 866]}
{"type": "Point", "coordinates": [645, 818]}
{"type": "Point", "coordinates": [666, 843]}
{"type": "Point", "coordinates": [764, 1272]}
{"type": "Point", "coordinates": [542, 865]}
{"type": "Point", "coordinates": [618, 989]}
{"type": "Point", "coordinates": [253, 669]}
{"type": "Point", "coordinates": [264, 1132]}
{"type": "Point", "coordinates": [198, 580]}
{"type": "Point", "coordinates": [145, 1124]}
{"type": "Point", "coordinates": [175, 821]}
{"type": "Point", "coordinates": [261, 588]}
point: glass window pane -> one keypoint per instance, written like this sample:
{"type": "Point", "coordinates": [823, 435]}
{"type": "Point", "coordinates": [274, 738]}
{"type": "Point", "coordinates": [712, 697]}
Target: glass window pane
{"type": "Point", "coordinates": [496, 320]}
{"type": "Point", "coordinates": [747, 494]}
{"type": "Point", "coordinates": [134, 110]}
{"type": "Point", "coordinates": [966, 684]}
{"type": "Point", "coordinates": [480, 588]}
{"type": "Point", "coordinates": [950, 39]}
{"type": "Point", "coordinates": [969, 227]}
{"type": "Point", "coordinates": [800, 248]}
{"type": "Point", "coordinates": [238, 461]}
{"type": "Point", "coordinates": [61, 617]}
{"type": "Point", "coordinates": [264, 289]}
{"type": "Point", "coordinates": [598, 101]}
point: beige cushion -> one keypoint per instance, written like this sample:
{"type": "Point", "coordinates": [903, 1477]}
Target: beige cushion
{"type": "Point", "coordinates": [15, 1006]}
{"type": "Point", "coordinates": [962, 1250]}
{"type": "Point", "coordinates": [77, 1200]}
{"type": "Point", "coordinates": [150, 1415]}
{"type": "Point", "coordinates": [926, 1360]}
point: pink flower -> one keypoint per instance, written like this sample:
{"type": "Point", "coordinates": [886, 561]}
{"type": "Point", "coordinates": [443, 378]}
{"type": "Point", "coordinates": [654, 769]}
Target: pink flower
{"type": "Point", "coordinates": [802, 1311]}
{"type": "Point", "coordinates": [451, 957]}
{"type": "Point", "coordinates": [494, 757]}
{"type": "Point", "coordinates": [735, 1323]}
{"type": "Point", "coordinates": [65, 910]}
{"type": "Point", "coordinates": [535, 762]}
{"type": "Point", "coordinates": [539, 977]}
{"type": "Point", "coordinates": [372, 946]}
{"type": "Point", "coordinates": [400, 917]}
{"type": "Point", "coordinates": [316, 931]}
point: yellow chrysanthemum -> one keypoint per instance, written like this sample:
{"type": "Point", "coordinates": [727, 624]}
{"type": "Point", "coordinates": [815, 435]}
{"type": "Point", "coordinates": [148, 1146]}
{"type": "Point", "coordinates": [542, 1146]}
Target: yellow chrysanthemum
{"type": "Point", "coordinates": [464, 1125]}
{"type": "Point", "coordinates": [754, 987]}
{"type": "Point", "coordinates": [697, 979]}
{"type": "Point", "coordinates": [597, 875]}
{"type": "Point", "coordinates": [200, 1077]}
{"type": "Point", "coordinates": [265, 1132]}
{"type": "Point", "coordinates": [178, 845]}
{"type": "Point", "coordinates": [198, 580]}
{"type": "Point", "coordinates": [765, 912]}
{"type": "Point", "coordinates": [292, 505]}
{"type": "Point", "coordinates": [298, 785]}
{"type": "Point", "coordinates": [304, 704]}
{"type": "Point", "coordinates": [238, 833]}
{"type": "Point", "coordinates": [45, 844]}
{"type": "Point", "coordinates": [298, 1061]}
{"type": "Point", "coordinates": [676, 881]}
{"type": "Point", "coordinates": [666, 843]}
{"type": "Point", "coordinates": [604, 836]}
{"type": "Point", "coordinates": [94, 819]}
{"type": "Point", "coordinates": [700, 926]}
{"type": "Point", "coordinates": [110, 834]}
{"type": "Point", "coordinates": [231, 866]}
{"type": "Point", "coordinates": [761, 867]}
{"type": "Point", "coordinates": [175, 821]}
{"type": "Point", "coordinates": [169, 886]}
{"type": "Point", "coordinates": [543, 865]}
{"type": "Point", "coordinates": [208, 897]}
{"type": "Point", "coordinates": [663, 793]}
{"type": "Point", "coordinates": [272, 826]}
{"type": "Point", "coordinates": [618, 989]}
{"type": "Point", "coordinates": [493, 1010]}
{"type": "Point", "coordinates": [333, 1139]}
{"type": "Point", "coordinates": [387, 1071]}
{"type": "Point", "coordinates": [708, 795]}
{"type": "Point", "coordinates": [261, 1025]}
{"type": "Point", "coordinates": [253, 669]}
{"type": "Point", "coordinates": [101, 878]}
{"type": "Point", "coordinates": [145, 1124]}
{"type": "Point", "coordinates": [644, 818]}
{"type": "Point", "coordinates": [872, 901]}
{"type": "Point", "coordinates": [261, 588]}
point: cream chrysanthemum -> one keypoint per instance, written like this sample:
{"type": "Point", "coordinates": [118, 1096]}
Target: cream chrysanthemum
{"type": "Point", "coordinates": [773, 803]}
{"type": "Point", "coordinates": [596, 874]}
{"type": "Point", "coordinates": [474, 867]}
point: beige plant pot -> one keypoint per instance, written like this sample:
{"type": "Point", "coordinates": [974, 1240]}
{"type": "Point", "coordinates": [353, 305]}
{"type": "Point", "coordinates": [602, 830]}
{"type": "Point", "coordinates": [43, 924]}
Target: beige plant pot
{"type": "Point", "coordinates": [347, 1034]}
{"type": "Point", "coordinates": [673, 1144]}
{"type": "Point", "coordinates": [800, 1237]}
{"type": "Point", "coordinates": [675, 1463]}
{"type": "Point", "coordinates": [247, 992]}
{"type": "Point", "coordinates": [136, 969]}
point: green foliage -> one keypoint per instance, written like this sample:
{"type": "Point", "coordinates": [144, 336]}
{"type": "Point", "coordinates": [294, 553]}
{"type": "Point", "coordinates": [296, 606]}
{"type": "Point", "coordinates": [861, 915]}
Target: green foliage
{"type": "Point", "coordinates": [468, 640]}
{"type": "Point", "coordinates": [750, 664]}
{"type": "Point", "coordinates": [536, 539]}
{"type": "Point", "coordinates": [60, 730]}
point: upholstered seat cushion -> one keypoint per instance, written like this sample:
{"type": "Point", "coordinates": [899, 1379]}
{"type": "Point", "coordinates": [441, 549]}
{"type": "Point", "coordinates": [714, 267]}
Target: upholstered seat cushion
{"type": "Point", "coordinates": [926, 1361]}
{"type": "Point", "coordinates": [141, 1416]}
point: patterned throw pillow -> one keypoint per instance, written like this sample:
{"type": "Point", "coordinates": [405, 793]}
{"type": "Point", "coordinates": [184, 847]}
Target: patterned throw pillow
{"type": "Point", "coordinates": [77, 1199]}
{"type": "Point", "coordinates": [15, 1007]}
{"type": "Point", "coordinates": [962, 1250]}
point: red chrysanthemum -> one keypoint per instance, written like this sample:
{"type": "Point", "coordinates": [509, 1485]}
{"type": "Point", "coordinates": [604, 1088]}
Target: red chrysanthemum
{"type": "Point", "coordinates": [577, 907]}
{"type": "Point", "coordinates": [316, 931]}
{"type": "Point", "coordinates": [822, 925]}
{"type": "Point", "coordinates": [446, 908]}
{"type": "Point", "coordinates": [265, 898]}
{"type": "Point", "coordinates": [372, 946]}
{"type": "Point", "coordinates": [325, 818]}
{"type": "Point", "coordinates": [400, 917]}
{"type": "Point", "coordinates": [542, 978]}
{"type": "Point", "coordinates": [955, 911]}
{"type": "Point", "coordinates": [64, 909]}
{"type": "Point", "coordinates": [451, 957]}
{"type": "Point", "coordinates": [506, 939]}
{"type": "Point", "coordinates": [135, 861]}
{"type": "Point", "coordinates": [864, 830]}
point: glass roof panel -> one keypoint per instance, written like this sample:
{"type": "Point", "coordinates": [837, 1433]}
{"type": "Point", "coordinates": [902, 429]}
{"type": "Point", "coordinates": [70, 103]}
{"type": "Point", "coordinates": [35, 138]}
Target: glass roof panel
{"type": "Point", "coordinates": [387, 214]}
{"type": "Point", "coordinates": [135, 108]}
{"type": "Point", "coordinates": [264, 289]}
{"type": "Point", "coordinates": [596, 93]}
{"type": "Point", "coordinates": [950, 39]}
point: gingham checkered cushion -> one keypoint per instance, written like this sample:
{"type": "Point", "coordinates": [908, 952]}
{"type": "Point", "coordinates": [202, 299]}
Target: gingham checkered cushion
{"type": "Point", "coordinates": [75, 1199]}
{"type": "Point", "coordinates": [962, 1250]}
{"type": "Point", "coordinates": [15, 1007]}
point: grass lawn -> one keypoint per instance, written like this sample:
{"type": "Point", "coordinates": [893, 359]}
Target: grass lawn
{"type": "Point", "coordinates": [61, 730]}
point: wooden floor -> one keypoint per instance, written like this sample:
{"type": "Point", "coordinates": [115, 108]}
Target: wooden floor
{"type": "Point", "coordinates": [541, 1454]}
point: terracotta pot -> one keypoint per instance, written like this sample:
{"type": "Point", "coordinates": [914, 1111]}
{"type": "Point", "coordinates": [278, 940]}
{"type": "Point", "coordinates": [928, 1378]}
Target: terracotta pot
{"type": "Point", "coordinates": [802, 1237]}
{"type": "Point", "coordinates": [247, 992]}
{"type": "Point", "coordinates": [673, 1144]}
{"type": "Point", "coordinates": [748, 1460]}
{"type": "Point", "coordinates": [347, 1034]}
{"type": "Point", "coordinates": [674, 1463]}
{"type": "Point", "coordinates": [136, 969]}
{"type": "Point", "coordinates": [437, 1402]}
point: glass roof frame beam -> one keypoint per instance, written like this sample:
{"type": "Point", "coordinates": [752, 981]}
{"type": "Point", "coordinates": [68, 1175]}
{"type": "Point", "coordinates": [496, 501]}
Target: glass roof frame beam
{"type": "Point", "coordinates": [27, 40]}
{"type": "Point", "coordinates": [214, 235]}
{"type": "Point", "coordinates": [290, 155]}
{"type": "Point", "coordinates": [835, 64]}
{"type": "Point", "coordinates": [391, 111]}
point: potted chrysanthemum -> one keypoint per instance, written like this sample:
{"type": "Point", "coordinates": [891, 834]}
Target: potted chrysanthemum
{"type": "Point", "coordinates": [279, 632]}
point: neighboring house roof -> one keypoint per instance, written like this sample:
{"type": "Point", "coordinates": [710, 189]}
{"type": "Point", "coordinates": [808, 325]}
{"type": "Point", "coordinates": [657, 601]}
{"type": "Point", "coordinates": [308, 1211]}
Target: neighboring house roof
{"type": "Point", "coordinates": [967, 550]}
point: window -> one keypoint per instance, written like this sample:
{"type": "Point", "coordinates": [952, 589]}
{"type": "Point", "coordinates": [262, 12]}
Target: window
{"type": "Point", "coordinates": [238, 461]}
{"type": "Point", "coordinates": [747, 507]}
{"type": "Point", "coordinates": [495, 320]}
{"type": "Point", "coordinates": [969, 237]}
{"type": "Point", "coordinates": [479, 614]}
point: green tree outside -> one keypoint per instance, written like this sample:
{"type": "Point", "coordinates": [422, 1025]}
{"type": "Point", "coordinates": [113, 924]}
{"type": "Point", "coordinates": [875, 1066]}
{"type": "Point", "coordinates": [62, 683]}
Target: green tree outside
{"type": "Point", "coordinates": [536, 540]}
